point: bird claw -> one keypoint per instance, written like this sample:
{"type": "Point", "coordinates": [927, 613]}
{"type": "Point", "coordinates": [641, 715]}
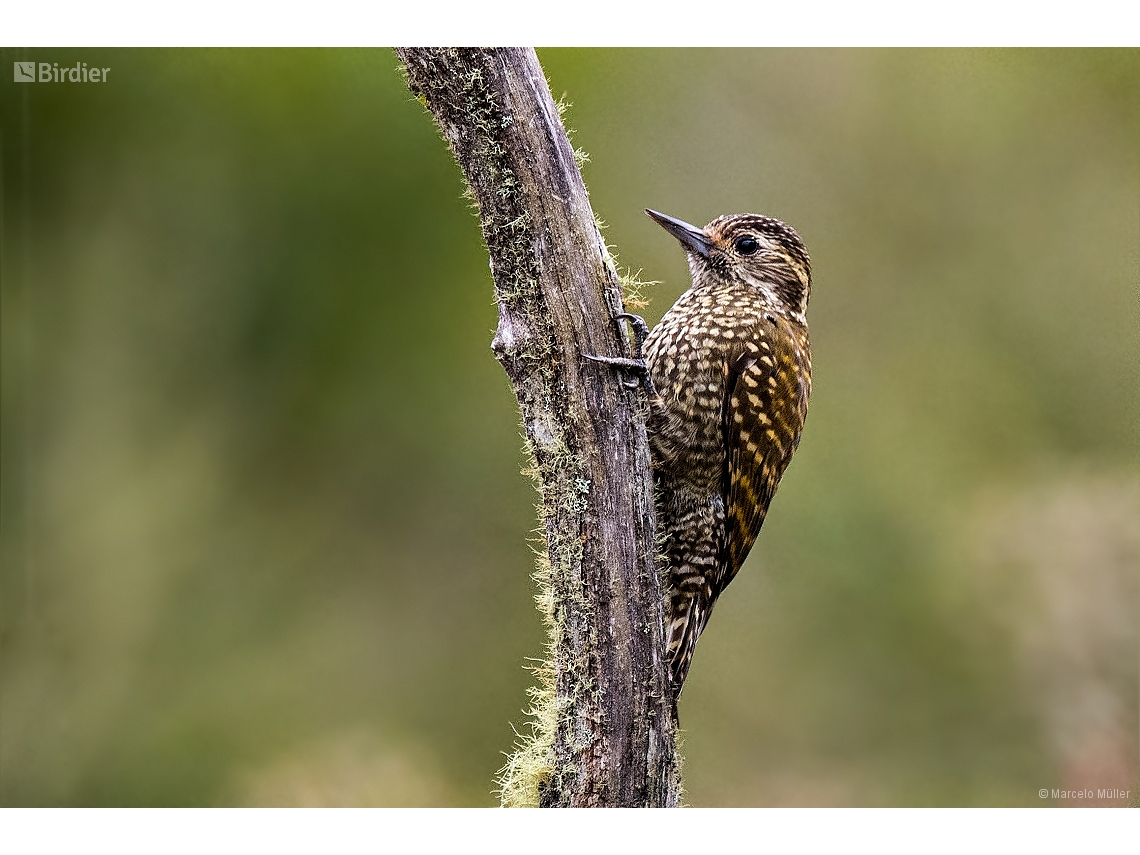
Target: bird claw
{"type": "Point", "coordinates": [640, 332]}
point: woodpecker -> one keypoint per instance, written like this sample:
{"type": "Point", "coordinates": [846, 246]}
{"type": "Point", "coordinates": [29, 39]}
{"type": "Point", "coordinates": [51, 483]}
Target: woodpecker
{"type": "Point", "coordinates": [728, 369]}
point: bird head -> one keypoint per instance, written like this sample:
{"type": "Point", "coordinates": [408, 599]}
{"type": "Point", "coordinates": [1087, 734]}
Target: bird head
{"type": "Point", "coordinates": [750, 250]}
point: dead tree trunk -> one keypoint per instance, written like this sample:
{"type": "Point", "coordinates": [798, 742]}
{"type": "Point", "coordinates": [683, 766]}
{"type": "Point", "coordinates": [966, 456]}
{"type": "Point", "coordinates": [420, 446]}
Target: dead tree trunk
{"type": "Point", "coordinates": [609, 732]}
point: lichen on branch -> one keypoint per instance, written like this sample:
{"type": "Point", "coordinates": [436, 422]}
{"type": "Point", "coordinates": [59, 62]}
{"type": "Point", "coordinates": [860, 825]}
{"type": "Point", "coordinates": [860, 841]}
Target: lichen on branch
{"type": "Point", "coordinates": [602, 733]}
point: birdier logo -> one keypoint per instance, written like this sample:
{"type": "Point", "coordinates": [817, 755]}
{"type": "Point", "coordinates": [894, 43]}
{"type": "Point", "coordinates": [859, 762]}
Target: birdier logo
{"type": "Point", "coordinates": [50, 72]}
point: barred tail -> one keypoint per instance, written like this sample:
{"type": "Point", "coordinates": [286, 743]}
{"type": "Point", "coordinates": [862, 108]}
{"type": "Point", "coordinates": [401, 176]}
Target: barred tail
{"type": "Point", "coordinates": [689, 612]}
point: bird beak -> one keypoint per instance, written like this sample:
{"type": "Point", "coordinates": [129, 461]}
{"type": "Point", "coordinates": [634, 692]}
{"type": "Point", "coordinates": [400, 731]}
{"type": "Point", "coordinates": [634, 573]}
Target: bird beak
{"type": "Point", "coordinates": [692, 238]}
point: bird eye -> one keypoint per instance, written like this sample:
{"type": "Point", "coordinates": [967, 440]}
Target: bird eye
{"type": "Point", "coordinates": [746, 245]}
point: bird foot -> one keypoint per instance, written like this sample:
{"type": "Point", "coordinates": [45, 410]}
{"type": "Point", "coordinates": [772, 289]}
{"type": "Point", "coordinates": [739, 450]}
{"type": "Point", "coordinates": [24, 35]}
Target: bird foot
{"type": "Point", "coordinates": [636, 365]}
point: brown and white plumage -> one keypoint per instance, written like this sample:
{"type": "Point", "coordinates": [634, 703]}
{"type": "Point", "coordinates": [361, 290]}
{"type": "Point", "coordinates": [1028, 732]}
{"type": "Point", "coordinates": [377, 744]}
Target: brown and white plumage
{"type": "Point", "coordinates": [731, 365]}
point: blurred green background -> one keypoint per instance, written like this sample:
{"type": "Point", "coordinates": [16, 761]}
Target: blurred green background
{"type": "Point", "coordinates": [264, 536]}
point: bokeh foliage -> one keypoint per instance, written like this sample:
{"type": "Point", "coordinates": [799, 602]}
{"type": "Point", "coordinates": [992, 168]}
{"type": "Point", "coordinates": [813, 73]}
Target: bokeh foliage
{"type": "Point", "coordinates": [263, 527]}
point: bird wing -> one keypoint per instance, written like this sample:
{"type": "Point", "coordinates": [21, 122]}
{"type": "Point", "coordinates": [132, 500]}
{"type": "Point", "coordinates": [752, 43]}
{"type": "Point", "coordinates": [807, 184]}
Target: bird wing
{"type": "Point", "coordinates": [766, 392]}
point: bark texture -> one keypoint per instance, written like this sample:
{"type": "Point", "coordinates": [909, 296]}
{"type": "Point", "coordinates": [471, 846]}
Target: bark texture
{"type": "Point", "coordinates": [611, 731]}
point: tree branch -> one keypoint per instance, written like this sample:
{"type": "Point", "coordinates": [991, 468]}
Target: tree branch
{"type": "Point", "coordinates": [605, 733]}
